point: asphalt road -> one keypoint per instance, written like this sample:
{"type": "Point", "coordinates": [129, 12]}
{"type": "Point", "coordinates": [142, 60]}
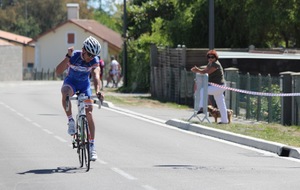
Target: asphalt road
{"type": "Point", "coordinates": [134, 153]}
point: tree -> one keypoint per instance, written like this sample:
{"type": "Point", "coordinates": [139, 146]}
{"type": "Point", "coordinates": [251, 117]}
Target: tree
{"type": "Point", "coordinates": [145, 26]}
{"type": "Point", "coordinates": [31, 17]}
{"type": "Point", "coordinates": [238, 24]}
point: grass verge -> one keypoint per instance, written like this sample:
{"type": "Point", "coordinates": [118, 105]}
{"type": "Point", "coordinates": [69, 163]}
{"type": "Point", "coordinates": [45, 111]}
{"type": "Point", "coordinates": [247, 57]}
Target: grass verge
{"type": "Point", "coordinates": [139, 100]}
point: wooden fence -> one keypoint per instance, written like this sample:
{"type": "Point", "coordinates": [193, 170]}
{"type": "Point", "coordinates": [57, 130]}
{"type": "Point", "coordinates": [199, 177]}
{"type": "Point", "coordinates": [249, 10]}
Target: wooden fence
{"type": "Point", "coordinates": [171, 80]}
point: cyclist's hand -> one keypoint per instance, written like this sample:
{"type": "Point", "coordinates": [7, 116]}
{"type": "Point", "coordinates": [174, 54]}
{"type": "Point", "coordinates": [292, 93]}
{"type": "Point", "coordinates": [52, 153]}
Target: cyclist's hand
{"type": "Point", "coordinates": [100, 96]}
{"type": "Point", "coordinates": [70, 50]}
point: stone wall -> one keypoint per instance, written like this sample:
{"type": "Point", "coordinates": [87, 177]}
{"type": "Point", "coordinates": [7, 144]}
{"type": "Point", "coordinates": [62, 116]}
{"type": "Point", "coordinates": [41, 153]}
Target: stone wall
{"type": "Point", "coordinates": [11, 68]}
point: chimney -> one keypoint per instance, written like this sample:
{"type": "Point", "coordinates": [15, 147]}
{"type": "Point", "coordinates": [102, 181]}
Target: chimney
{"type": "Point", "coordinates": [73, 11]}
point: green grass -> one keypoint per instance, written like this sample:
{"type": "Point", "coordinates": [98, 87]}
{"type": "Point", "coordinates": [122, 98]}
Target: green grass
{"type": "Point", "coordinates": [138, 100]}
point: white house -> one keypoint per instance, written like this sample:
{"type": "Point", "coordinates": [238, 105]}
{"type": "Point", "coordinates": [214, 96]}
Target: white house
{"type": "Point", "coordinates": [51, 46]}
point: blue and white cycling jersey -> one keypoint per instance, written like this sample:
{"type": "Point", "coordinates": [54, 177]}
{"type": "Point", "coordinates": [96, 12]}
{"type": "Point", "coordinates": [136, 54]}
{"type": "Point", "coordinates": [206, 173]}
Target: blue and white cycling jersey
{"type": "Point", "coordinates": [79, 70]}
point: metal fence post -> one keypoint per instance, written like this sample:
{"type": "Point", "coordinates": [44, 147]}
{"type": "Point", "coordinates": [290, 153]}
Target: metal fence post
{"type": "Point", "coordinates": [258, 111]}
{"type": "Point", "coordinates": [270, 112]}
{"type": "Point", "coordinates": [248, 107]}
{"type": "Point", "coordinates": [296, 99]}
{"type": "Point", "coordinates": [286, 102]}
{"type": "Point", "coordinates": [231, 75]}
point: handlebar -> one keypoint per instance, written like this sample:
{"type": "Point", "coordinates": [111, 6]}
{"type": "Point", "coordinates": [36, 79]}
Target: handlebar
{"type": "Point", "coordinates": [97, 101]}
{"type": "Point", "coordinates": [94, 98]}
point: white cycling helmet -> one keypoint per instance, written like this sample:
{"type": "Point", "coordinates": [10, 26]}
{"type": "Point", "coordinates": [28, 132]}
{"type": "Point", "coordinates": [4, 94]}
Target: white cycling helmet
{"type": "Point", "coordinates": [92, 46]}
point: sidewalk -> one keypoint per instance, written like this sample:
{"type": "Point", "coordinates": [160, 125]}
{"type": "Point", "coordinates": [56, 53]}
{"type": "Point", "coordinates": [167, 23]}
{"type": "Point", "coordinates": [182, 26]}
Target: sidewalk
{"type": "Point", "coordinates": [179, 118]}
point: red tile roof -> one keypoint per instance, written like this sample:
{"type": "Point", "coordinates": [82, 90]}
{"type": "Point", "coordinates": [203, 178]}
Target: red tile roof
{"type": "Point", "coordinates": [7, 36]}
{"type": "Point", "coordinates": [113, 38]}
{"type": "Point", "coordinates": [100, 30]}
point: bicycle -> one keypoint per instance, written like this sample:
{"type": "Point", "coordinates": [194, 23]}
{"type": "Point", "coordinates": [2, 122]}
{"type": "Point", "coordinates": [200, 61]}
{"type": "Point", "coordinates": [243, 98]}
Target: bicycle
{"type": "Point", "coordinates": [80, 139]}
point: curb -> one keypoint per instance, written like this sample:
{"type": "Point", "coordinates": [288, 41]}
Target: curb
{"type": "Point", "coordinates": [274, 147]}
{"type": "Point", "coordinates": [278, 148]}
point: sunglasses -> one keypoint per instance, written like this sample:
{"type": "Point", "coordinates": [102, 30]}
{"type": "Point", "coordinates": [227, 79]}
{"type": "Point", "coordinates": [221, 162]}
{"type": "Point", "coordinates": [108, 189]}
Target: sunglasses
{"type": "Point", "coordinates": [211, 57]}
{"type": "Point", "coordinates": [90, 55]}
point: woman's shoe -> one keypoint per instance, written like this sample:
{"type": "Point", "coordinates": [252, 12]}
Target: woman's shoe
{"type": "Point", "coordinates": [200, 111]}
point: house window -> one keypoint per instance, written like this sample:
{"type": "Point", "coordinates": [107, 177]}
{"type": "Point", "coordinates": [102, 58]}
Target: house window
{"type": "Point", "coordinates": [71, 38]}
{"type": "Point", "coordinates": [30, 65]}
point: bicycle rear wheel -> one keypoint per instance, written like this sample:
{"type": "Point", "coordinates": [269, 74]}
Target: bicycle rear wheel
{"type": "Point", "coordinates": [84, 150]}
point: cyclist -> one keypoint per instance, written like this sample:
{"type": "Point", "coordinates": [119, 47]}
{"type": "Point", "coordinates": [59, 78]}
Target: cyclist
{"type": "Point", "coordinates": [79, 64]}
{"type": "Point", "coordinates": [114, 72]}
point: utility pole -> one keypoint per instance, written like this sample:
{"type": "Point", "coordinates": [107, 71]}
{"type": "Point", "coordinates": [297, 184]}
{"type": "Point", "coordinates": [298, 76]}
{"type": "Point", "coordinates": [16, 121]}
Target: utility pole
{"type": "Point", "coordinates": [125, 46]}
{"type": "Point", "coordinates": [211, 43]}
{"type": "Point", "coordinates": [100, 5]}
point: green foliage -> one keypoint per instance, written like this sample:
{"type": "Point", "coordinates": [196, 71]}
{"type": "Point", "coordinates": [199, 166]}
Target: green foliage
{"type": "Point", "coordinates": [139, 72]}
{"type": "Point", "coordinates": [143, 14]}
{"type": "Point", "coordinates": [108, 20]}
{"type": "Point", "coordinates": [238, 24]}
{"type": "Point", "coordinates": [31, 17]}
{"type": "Point", "coordinates": [146, 26]}
{"type": "Point", "coordinates": [28, 27]}
{"type": "Point", "coordinates": [275, 108]}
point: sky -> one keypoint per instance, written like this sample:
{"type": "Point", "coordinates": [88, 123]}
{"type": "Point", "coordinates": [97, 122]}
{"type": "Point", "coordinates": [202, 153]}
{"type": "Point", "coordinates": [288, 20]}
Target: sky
{"type": "Point", "coordinates": [105, 3]}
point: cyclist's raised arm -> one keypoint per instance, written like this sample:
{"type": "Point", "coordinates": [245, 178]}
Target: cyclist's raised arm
{"type": "Point", "coordinates": [63, 65]}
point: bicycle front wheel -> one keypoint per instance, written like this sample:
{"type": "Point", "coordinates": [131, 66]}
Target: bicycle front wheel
{"type": "Point", "coordinates": [84, 154]}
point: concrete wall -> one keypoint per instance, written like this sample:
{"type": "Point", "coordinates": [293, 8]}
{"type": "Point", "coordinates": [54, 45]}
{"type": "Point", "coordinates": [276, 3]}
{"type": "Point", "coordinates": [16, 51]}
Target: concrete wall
{"type": "Point", "coordinates": [11, 61]}
{"type": "Point", "coordinates": [28, 53]}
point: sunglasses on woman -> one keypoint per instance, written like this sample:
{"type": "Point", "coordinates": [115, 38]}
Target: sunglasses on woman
{"type": "Point", "coordinates": [211, 57]}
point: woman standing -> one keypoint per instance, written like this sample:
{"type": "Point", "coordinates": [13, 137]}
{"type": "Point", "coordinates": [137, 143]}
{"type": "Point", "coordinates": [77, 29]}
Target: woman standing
{"type": "Point", "coordinates": [215, 73]}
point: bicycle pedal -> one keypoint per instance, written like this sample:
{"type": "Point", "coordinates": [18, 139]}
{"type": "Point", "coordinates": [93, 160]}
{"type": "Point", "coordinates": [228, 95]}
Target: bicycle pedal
{"type": "Point", "coordinates": [74, 142]}
{"type": "Point", "coordinates": [74, 145]}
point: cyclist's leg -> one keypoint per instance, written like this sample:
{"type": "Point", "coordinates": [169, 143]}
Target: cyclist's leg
{"type": "Point", "coordinates": [91, 125]}
{"type": "Point", "coordinates": [89, 117]}
{"type": "Point", "coordinates": [67, 89]}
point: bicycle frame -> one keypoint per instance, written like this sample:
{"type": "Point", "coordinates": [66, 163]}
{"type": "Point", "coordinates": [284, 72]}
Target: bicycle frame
{"type": "Point", "coordinates": [81, 137]}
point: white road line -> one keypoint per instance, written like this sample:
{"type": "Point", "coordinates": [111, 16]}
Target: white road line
{"type": "Point", "coordinates": [13, 110]}
{"type": "Point", "coordinates": [101, 162]}
{"type": "Point", "coordinates": [27, 119]}
{"type": "Point", "coordinates": [36, 124]}
{"type": "Point", "coordinates": [21, 115]}
{"type": "Point", "coordinates": [39, 126]}
{"type": "Point", "coordinates": [47, 131]}
{"type": "Point", "coordinates": [147, 187]}
{"type": "Point", "coordinates": [124, 174]}
{"type": "Point", "coordinates": [60, 139]}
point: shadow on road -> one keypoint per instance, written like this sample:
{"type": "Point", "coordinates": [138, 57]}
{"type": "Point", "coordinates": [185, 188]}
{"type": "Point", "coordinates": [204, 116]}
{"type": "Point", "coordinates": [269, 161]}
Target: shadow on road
{"type": "Point", "coordinates": [69, 170]}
